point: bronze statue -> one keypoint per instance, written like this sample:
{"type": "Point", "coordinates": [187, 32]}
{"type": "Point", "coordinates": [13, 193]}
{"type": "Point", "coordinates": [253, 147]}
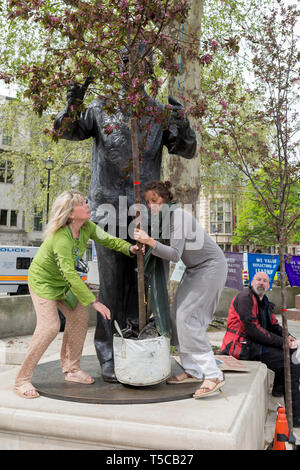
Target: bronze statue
{"type": "Point", "coordinates": [110, 155]}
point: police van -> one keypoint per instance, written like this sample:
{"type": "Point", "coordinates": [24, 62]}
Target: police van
{"type": "Point", "coordinates": [14, 265]}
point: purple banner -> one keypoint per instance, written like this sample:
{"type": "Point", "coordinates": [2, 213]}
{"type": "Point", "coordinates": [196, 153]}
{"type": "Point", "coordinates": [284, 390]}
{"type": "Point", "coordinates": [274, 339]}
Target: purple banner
{"type": "Point", "coordinates": [235, 270]}
{"type": "Point", "coordinates": [292, 269]}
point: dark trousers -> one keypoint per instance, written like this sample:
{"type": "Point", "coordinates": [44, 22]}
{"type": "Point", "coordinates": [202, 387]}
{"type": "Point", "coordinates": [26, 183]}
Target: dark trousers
{"type": "Point", "coordinates": [274, 360]}
{"type": "Point", "coordinates": [119, 292]}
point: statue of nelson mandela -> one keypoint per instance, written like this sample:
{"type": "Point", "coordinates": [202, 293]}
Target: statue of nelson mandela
{"type": "Point", "coordinates": [110, 155]}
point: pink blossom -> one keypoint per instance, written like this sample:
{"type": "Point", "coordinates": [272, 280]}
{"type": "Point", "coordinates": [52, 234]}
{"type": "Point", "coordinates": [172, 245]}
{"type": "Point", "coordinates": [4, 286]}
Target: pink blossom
{"type": "Point", "coordinates": [206, 59]}
{"type": "Point", "coordinates": [224, 104]}
{"type": "Point", "coordinates": [124, 3]}
{"type": "Point", "coordinates": [131, 98]}
{"type": "Point", "coordinates": [110, 128]}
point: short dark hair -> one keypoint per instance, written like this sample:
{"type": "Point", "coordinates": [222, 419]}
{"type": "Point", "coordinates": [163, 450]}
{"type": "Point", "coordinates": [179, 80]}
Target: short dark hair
{"type": "Point", "coordinates": [162, 188]}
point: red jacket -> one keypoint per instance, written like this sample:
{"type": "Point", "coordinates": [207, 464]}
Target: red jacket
{"type": "Point", "coordinates": [245, 334]}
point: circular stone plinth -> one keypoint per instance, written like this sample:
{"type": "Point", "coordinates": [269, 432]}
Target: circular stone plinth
{"type": "Point", "coordinates": [49, 381]}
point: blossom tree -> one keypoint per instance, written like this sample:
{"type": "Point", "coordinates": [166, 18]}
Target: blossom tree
{"type": "Point", "coordinates": [256, 130]}
{"type": "Point", "coordinates": [105, 45]}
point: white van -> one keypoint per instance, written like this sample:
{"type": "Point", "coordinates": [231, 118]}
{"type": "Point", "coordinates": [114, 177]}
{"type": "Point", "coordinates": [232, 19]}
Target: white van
{"type": "Point", "coordinates": [14, 265]}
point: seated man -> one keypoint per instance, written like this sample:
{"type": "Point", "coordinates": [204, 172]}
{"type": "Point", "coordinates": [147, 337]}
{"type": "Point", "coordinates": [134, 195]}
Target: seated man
{"type": "Point", "coordinates": [253, 333]}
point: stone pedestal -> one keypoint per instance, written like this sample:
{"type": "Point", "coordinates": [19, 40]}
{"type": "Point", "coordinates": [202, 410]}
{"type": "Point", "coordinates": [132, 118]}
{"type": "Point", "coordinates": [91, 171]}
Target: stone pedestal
{"type": "Point", "coordinates": [231, 421]}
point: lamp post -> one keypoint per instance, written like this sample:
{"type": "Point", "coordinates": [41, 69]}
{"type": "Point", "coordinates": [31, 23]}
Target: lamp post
{"type": "Point", "coordinates": [49, 164]}
{"type": "Point", "coordinates": [216, 234]}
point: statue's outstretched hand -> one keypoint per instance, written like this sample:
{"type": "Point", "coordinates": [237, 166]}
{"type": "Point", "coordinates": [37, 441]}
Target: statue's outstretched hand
{"type": "Point", "coordinates": [173, 102]}
{"type": "Point", "coordinates": [178, 115]}
{"type": "Point", "coordinates": [76, 92]}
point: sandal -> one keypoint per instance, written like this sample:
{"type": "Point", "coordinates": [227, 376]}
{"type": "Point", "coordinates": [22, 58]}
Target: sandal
{"type": "Point", "coordinates": [183, 378]}
{"type": "Point", "coordinates": [24, 391]}
{"type": "Point", "coordinates": [80, 377]}
{"type": "Point", "coordinates": [217, 384]}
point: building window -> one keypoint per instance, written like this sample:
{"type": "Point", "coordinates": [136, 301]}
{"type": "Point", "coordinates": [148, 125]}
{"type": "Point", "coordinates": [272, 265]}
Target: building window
{"type": "Point", "coordinates": [13, 218]}
{"type": "Point", "coordinates": [88, 254]}
{"type": "Point", "coordinates": [23, 263]}
{"type": "Point", "coordinates": [2, 170]}
{"type": "Point", "coordinates": [220, 216]}
{"type": "Point", "coordinates": [6, 171]}
{"type": "Point", "coordinates": [6, 139]}
{"type": "Point", "coordinates": [37, 221]}
{"type": "Point", "coordinates": [3, 217]}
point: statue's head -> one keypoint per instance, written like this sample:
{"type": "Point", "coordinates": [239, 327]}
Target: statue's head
{"type": "Point", "coordinates": [142, 52]}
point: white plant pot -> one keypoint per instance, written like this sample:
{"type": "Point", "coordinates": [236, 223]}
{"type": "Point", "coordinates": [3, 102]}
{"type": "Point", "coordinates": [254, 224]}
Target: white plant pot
{"type": "Point", "coordinates": [141, 362]}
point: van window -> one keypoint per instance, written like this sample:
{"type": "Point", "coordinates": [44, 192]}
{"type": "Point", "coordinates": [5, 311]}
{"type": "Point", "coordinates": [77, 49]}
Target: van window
{"type": "Point", "coordinates": [23, 263]}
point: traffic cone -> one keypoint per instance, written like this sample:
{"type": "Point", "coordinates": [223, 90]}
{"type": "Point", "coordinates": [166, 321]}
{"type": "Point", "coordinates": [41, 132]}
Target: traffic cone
{"type": "Point", "coordinates": [281, 430]}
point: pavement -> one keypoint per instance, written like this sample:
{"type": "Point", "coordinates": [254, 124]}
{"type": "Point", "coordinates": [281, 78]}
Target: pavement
{"type": "Point", "coordinates": [17, 414]}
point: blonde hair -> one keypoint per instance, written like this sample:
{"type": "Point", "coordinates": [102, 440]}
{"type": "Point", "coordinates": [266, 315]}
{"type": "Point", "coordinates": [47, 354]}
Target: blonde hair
{"type": "Point", "coordinates": [61, 210]}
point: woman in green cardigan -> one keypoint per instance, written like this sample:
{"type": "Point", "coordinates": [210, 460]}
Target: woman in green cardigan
{"type": "Point", "coordinates": [52, 273]}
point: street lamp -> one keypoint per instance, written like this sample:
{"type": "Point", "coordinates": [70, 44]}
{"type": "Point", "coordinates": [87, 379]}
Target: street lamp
{"type": "Point", "coordinates": [216, 234]}
{"type": "Point", "coordinates": [49, 164]}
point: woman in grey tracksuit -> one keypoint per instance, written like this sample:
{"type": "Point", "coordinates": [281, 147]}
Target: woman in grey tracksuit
{"type": "Point", "coordinates": [198, 293]}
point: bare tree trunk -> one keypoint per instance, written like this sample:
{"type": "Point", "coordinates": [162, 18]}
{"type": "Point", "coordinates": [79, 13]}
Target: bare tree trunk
{"type": "Point", "coordinates": [137, 200]}
{"type": "Point", "coordinates": [185, 174]}
{"type": "Point", "coordinates": [286, 349]}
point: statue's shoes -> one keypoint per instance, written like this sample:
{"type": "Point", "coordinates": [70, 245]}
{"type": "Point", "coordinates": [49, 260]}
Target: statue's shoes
{"type": "Point", "coordinates": [111, 378]}
{"type": "Point", "coordinates": [108, 373]}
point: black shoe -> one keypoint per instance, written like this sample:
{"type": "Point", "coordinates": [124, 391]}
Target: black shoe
{"type": "Point", "coordinates": [108, 373]}
{"type": "Point", "coordinates": [277, 391]}
{"type": "Point", "coordinates": [110, 377]}
{"type": "Point", "coordinates": [296, 422]}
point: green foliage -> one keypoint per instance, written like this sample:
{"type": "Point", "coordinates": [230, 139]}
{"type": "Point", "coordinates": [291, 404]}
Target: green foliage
{"type": "Point", "coordinates": [30, 148]}
{"type": "Point", "coordinates": [256, 226]}
{"type": "Point", "coordinates": [224, 86]}
{"type": "Point", "coordinates": [256, 127]}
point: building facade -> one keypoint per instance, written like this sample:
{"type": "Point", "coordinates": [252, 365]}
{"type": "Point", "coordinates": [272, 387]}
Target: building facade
{"type": "Point", "coordinates": [12, 219]}
{"type": "Point", "coordinates": [218, 217]}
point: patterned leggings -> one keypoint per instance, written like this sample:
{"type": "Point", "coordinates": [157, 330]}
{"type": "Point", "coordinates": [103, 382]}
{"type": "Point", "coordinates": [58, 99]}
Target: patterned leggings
{"type": "Point", "coordinates": [47, 328]}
